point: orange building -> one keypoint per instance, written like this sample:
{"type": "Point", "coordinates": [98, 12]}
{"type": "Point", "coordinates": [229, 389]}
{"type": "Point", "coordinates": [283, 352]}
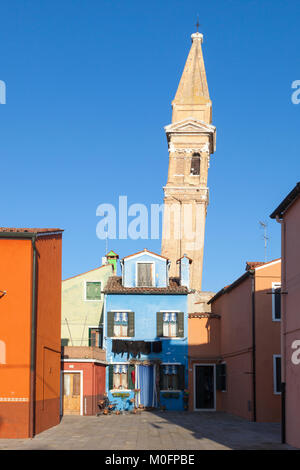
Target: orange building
{"type": "Point", "coordinates": [288, 215]}
{"type": "Point", "coordinates": [234, 350]}
{"type": "Point", "coordinates": [30, 309]}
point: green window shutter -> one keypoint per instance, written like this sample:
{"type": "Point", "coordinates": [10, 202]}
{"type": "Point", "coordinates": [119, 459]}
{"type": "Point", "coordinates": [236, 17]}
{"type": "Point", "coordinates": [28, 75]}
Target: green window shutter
{"type": "Point", "coordinates": [181, 377]}
{"type": "Point", "coordinates": [93, 291]}
{"type": "Point", "coordinates": [159, 324]}
{"type": "Point", "coordinates": [180, 324]}
{"type": "Point", "coordinates": [110, 324]}
{"type": "Point", "coordinates": [131, 324]}
{"type": "Point", "coordinates": [111, 376]}
{"type": "Point", "coordinates": [131, 385]}
{"type": "Point", "coordinates": [221, 376]}
{"type": "Point", "coordinates": [90, 337]}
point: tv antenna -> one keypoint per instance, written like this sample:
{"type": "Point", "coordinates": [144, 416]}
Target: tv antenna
{"type": "Point", "coordinates": [264, 226]}
{"type": "Point", "coordinates": [106, 243]}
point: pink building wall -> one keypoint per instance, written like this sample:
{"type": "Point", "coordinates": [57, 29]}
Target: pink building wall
{"type": "Point", "coordinates": [291, 320]}
{"type": "Point", "coordinates": [236, 345]}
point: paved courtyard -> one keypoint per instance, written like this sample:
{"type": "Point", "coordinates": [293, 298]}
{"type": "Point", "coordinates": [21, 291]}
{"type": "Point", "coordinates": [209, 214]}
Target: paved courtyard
{"type": "Point", "coordinates": [154, 431]}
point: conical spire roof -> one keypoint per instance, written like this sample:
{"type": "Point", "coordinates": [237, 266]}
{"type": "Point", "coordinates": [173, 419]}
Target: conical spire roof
{"type": "Point", "coordinates": [192, 92]}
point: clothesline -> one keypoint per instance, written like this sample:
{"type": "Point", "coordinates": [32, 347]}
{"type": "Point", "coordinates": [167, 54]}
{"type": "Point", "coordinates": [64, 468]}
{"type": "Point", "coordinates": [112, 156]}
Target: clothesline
{"type": "Point", "coordinates": [135, 348]}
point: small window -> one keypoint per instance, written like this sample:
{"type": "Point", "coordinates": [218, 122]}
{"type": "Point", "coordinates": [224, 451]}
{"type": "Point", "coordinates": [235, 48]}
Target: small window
{"type": "Point", "coordinates": [170, 321]}
{"type": "Point", "coordinates": [93, 290]}
{"type": "Point", "coordinates": [170, 377]}
{"type": "Point", "coordinates": [276, 302]}
{"type": "Point", "coordinates": [120, 376]}
{"type": "Point", "coordinates": [95, 337]}
{"type": "Point", "coordinates": [76, 385]}
{"type": "Point", "coordinates": [277, 374]}
{"type": "Point", "coordinates": [67, 383]}
{"type": "Point", "coordinates": [195, 164]}
{"type": "Point", "coordinates": [144, 274]}
{"type": "Point", "coordinates": [120, 324]}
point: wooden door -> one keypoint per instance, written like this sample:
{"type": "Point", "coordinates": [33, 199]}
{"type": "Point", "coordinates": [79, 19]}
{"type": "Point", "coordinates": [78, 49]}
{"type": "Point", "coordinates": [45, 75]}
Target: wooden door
{"type": "Point", "coordinates": [71, 390]}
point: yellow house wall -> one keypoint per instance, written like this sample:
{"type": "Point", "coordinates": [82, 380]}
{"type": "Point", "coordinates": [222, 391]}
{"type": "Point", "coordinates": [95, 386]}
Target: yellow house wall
{"type": "Point", "coordinates": [77, 313]}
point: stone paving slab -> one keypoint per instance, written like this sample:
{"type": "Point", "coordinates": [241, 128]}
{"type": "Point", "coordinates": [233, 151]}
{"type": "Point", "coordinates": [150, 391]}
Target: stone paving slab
{"type": "Point", "coordinates": [154, 431]}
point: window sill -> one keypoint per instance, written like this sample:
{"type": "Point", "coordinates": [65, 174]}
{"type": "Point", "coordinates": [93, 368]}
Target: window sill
{"type": "Point", "coordinates": [172, 337]}
{"type": "Point", "coordinates": [120, 337]}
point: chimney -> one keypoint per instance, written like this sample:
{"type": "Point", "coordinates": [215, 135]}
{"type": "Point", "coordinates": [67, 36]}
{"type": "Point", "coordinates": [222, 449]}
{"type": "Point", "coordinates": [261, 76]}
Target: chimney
{"type": "Point", "coordinates": [184, 270]}
{"type": "Point", "coordinates": [112, 258]}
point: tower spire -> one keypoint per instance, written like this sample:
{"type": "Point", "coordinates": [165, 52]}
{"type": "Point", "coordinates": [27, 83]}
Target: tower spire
{"type": "Point", "coordinates": [191, 141]}
{"type": "Point", "coordinates": [192, 96]}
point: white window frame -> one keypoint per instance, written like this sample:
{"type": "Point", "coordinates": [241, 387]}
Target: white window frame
{"type": "Point", "coordinates": [215, 387]}
{"type": "Point", "coordinates": [274, 286]}
{"type": "Point", "coordinates": [171, 311]}
{"type": "Point", "coordinates": [114, 390]}
{"type": "Point", "coordinates": [101, 294]}
{"type": "Point", "coordinates": [275, 356]}
{"type": "Point", "coordinates": [120, 310]}
{"type": "Point", "coordinates": [172, 337]}
{"type": "Point", "coordinates": [153, 273]}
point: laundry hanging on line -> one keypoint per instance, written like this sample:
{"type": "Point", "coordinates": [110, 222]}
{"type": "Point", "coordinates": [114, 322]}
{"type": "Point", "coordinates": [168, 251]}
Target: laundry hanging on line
{"type": "Point", "coordinates": [135, 348]}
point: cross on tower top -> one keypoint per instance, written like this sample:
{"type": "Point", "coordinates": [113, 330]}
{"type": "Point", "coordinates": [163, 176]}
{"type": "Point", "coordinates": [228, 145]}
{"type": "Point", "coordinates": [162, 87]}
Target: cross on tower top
{"type": "Point", "coordinates": [197, 24]}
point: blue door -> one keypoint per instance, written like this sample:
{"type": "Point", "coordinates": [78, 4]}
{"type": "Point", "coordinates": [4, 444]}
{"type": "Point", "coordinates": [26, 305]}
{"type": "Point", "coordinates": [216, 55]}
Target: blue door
{"type": "Point", "coordinates": [146, 383]}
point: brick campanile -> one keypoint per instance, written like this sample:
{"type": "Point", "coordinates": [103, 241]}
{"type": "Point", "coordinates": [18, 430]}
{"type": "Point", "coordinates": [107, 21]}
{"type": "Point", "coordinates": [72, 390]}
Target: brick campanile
{"type": "Point", "coordinates": [191, 140]}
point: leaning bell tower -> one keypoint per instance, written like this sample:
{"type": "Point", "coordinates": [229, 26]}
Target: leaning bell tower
{"type": "Point", "coordinates": [191, 140]}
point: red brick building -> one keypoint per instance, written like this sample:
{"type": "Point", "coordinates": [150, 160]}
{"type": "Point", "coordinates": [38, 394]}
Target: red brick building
{"type": "Point", "coordinates": [83, 379]}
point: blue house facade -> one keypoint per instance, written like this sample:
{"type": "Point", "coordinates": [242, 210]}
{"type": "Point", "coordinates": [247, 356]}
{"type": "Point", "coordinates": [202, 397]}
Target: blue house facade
{"type": "Point", "coordinates": [146, 334]}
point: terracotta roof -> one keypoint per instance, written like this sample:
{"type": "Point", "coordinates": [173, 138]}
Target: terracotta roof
{"type": "Point", "coordinates": [28, 230]}
{"type": "Point", "coordinates": [114, 286]}
{"type": "Point", "coordinates": [253, 264]}
{"type": "Point", "coordinates": [28, 233]}
{"type": "Point", "coordinates": [145, 251]}
{"type": "Point", "coordinates": [204, 315]}
{"type": "Point", "coordinates": [257, 264]}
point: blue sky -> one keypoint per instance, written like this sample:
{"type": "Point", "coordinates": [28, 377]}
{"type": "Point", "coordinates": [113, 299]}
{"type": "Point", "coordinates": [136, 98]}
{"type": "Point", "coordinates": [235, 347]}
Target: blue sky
{"type": "Point", "coordinates": [89, 90]}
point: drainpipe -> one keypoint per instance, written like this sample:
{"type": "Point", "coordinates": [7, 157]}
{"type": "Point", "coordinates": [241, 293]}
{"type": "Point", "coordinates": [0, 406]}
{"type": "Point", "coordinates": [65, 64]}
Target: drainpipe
{"type": "Point", "coordinates": [32, 407]}
{"type": "Point", "coordinates": [283, 330]}
{"type": "Point", "coordinates": [253, 345]}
